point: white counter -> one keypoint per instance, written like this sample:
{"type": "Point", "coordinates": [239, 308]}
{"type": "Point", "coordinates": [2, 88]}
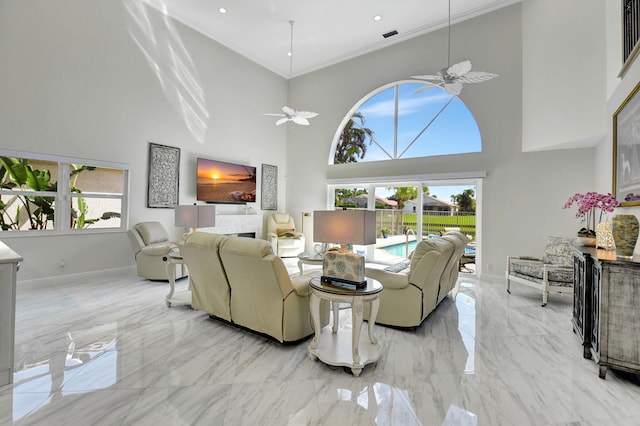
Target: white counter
{"type": "Point", "coordinates": [9, 262]}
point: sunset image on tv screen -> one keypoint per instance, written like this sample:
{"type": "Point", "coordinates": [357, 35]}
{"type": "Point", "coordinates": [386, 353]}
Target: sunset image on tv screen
{"type": "Point", "coordinates": [223, 182]}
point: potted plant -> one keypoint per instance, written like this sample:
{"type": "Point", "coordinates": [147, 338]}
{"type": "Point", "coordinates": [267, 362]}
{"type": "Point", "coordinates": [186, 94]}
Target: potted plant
{"type": "Point", "coordinates": [587, 204]}
{"type": "Point", "coordinates": [385, 232]}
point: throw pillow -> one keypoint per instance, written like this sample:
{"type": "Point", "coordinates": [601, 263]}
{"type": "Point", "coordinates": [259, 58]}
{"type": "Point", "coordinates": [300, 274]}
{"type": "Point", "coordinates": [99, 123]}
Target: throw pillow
{"type": "Point", "coordinates": [398, 266]}
{"type": "Point", "coordinates": [290, 232]}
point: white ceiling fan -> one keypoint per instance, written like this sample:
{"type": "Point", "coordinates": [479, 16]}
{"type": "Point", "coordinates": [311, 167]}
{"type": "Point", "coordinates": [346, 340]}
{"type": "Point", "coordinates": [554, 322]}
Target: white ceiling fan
{"type": "Point", "coordinates": [298, 117]}
{"type": "Point", "coordinates": [291, 114]}
{"type": "Point", "coordinates": [452, 77]}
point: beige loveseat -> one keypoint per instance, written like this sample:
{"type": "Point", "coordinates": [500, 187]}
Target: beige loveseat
{"type": "Point", "coordinates": [415, 287]}
{"type": "Point", "coordinates": [241, 281]}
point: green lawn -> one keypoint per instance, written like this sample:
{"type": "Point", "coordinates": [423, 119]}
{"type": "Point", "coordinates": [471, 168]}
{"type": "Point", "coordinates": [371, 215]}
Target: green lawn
{"type": "Point", "coordinates": [433, 224]}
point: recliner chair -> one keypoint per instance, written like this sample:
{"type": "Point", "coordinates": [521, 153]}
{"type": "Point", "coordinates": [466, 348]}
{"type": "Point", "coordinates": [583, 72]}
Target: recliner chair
{"type": "Point", "coordinates": [152, 247]}
{"type": "Point", "coordinates": [282, 234]}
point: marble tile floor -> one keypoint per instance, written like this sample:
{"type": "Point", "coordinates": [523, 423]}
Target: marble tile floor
{"type": "Point", "coordinates": [110, 352]}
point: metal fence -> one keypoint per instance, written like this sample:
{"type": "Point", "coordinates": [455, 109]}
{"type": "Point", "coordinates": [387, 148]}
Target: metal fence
{"type": "Point", "coordinates": [433, 222]}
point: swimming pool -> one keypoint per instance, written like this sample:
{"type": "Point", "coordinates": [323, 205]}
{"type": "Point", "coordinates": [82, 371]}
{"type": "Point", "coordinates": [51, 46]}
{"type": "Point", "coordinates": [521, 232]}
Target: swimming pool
{"type": "Point", "coordinates": [399, 249]}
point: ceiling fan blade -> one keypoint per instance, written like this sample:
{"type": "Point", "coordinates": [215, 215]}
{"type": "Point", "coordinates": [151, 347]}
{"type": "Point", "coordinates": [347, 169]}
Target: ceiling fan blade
{"type": "Point", "coordinates": [454, 88]}
{"type": "Point", "coordinates": [288, 111]}
{"type": "Point", "coordinates": [300, 120]}
{"type": "Point", "coordinates": [477, 77]}
{"type": "Point", "coordinates": [282, 121]}
{"type": "Point", "coordinates": [307, 114]}
{"type": "Point", "coordinates": [459, 69]}
{"type": "Point", "coordinates": [274, 115]}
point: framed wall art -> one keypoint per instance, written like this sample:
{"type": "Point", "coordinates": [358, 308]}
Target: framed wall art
{"type": "Point", "coordinates": [269, 193]}
{"type": "Point", "coordinates": [164, 176]}
{"type": "Point", "coordinates": [626, 150]}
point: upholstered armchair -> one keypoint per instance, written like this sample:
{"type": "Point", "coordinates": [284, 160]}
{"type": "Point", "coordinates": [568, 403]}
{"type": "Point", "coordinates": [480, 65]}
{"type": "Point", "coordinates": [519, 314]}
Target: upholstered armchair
{"type": "Point", "coordinates": [152, 246]}
{"type": "Point", "coordinates": [554, 272]}
{"type": "Point", "coordinates": [412, 289]}
{"type": "Point", "coordinates": [282, 234]}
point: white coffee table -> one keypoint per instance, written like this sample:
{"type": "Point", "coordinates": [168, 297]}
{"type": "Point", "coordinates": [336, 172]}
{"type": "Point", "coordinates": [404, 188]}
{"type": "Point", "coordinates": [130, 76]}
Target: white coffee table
{"type": "Point", "coordinates": [345, 348]}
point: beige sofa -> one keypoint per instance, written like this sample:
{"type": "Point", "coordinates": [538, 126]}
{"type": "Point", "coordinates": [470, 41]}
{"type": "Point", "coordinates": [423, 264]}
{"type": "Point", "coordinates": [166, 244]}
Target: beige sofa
{"type": "Point", "coordinates": [241, 281]}
{"type": "Point", "coordinates": [452, 270]}
{"type": "Point", "coordinates": [210, 290]}
{"type": "Point", "coordinates": [413, 289]}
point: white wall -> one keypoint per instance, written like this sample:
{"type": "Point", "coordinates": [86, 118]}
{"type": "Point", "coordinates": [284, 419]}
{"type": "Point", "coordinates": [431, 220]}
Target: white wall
{"type": "Point", "coordinates": [604, 150]}
{"type": "Point", "coordinates": [523, 192]}
{"type": "Point", "coordinates": [76, 83]}
{"type": "Point", "coordinates": [564, 73]}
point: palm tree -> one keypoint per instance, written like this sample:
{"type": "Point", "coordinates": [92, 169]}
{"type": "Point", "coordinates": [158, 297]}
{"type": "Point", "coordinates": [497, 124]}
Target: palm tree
{"type": "Point", "coordinates": [351, 145]}
{"type": "Point", "coordinates": [403, 194]}
{"type": "Point", "coordinates": [465, 201]}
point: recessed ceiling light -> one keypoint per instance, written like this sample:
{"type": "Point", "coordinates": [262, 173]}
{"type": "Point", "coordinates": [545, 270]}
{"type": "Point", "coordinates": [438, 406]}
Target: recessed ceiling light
{"type": "Point", "coordinates": [377, 18]}
{"type": "Point", "coordinates": [222, 10]}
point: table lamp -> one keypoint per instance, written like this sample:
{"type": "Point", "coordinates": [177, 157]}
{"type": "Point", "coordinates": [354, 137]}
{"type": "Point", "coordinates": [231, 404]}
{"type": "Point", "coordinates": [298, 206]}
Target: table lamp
{"type": "Point", "coordinates": [195, 216]}
{"type": "Point", "coordinates": [344, 227]}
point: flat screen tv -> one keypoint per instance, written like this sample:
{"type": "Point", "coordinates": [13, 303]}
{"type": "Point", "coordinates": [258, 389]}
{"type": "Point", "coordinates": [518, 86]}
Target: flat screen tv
{"type": "Point", "coordinates": [226, 183]}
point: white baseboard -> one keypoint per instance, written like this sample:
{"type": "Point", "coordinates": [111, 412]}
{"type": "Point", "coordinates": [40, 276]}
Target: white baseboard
{"type": "Point", "coordinates": [492, 277]}
{"type": "Point", "coordinates": [127, 271]}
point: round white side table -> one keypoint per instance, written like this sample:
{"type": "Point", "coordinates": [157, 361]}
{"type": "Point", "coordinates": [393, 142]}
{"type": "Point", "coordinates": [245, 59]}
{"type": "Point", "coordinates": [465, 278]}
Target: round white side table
{"type": "Point", "coordinates": [345, 348]}
{"type": "Point", "coordinates": [173, 260]}
{"type": "Point", "coordinates": [307, 258]}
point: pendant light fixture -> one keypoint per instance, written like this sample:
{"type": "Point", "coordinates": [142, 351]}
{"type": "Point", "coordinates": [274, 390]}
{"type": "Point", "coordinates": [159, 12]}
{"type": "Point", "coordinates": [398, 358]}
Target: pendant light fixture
{"type": "Point", "coordinates": [452, 77]}
{"type": "Point", "coordinates": [291, 114]}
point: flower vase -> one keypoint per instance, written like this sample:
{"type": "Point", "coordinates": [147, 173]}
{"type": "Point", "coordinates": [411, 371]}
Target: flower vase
{"type": "Point", "coordinates": [625, 234]}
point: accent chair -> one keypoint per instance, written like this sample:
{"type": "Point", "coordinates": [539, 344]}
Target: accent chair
{"type": "Point", "coordinates": [554, 272]}
{"type": "Point", "coordinates": [282, 234]}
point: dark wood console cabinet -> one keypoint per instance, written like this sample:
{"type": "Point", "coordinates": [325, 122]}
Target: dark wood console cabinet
{"type": "Point", "coordinates": [606, 308]}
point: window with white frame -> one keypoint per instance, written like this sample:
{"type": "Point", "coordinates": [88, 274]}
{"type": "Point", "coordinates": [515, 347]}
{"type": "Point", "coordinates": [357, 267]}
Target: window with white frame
{"type": "Point", "coordinates": [395, 121]}
{"type": "Point", "coordinates": [44, 194]}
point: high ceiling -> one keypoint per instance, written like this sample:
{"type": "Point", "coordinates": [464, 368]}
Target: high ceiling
{"type": "Point", "coordinates": [325, 31]}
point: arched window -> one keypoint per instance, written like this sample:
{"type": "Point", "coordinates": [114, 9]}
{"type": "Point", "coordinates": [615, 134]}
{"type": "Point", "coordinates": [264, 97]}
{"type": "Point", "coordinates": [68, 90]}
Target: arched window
{"type": "Point", "coordinates": [395, 122]}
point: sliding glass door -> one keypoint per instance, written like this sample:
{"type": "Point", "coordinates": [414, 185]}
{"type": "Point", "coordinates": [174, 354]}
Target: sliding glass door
{"type": "Point", "coordinates": [407, 212]}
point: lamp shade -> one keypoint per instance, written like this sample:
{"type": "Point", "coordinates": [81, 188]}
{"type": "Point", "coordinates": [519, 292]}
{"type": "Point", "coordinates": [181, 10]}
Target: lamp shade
{"type": "Point", "coordinates": [344, 226]}
{"type": "Point", "coordinates": [195, 216]}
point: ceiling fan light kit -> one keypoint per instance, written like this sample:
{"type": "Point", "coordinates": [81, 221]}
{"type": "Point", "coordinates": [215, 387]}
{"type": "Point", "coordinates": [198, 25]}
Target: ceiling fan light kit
{"type": "Point", "coordinates": [452, 77]}
{"type": "Point", "coordinates": [291, 114]}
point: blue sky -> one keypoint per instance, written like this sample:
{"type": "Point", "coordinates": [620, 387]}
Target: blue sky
{"type": "Point", "coordinates": [447, 125]}
{"type": "Point", "coordinates": [430, 123]}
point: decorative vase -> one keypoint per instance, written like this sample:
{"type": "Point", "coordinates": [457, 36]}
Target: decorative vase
{"type": "Point", "coordinates": [604, 237]}
{"type": "Point", "coordinates": [625, 234]}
